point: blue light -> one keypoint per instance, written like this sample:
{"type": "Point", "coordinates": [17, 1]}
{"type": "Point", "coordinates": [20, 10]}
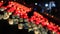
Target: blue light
{"type": "Point", "coordinates": [53, 4]}
{"type": "Point", "coordinates": [50, 5]}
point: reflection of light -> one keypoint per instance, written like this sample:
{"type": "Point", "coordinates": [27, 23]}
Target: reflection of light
{"type": "Point", "coordinates": [46, 5]}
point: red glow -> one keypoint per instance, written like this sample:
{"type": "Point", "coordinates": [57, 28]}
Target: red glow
{"type": "Point", "coordinates": [1, 3]}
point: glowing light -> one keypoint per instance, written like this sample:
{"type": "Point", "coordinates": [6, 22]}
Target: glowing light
{"type": "Point", "coordinates": [9, 13]}
{"type": "Point", "coordinates": [2, 1]}
{"type": "Point", "coordinates": [24, 3]}
{"type": "Point", "coordinates": [53, 4]}
{"type": "Point", "coordinates": [36, 32]}
{"type": "Point", "coordinates": [52, 16]}
{"type": "Point", "coordinates": [15, 21]}
{"type": "Point", "coordinates": [50, 5]}
{"type": "Point", "coordinates": [30, 29]}
{"type": "Point", "coordinates": [21, 20]}
{"type": "Point", "coordinates": [47, 14]}
{"type": "Point", "coordinates": [5, 17]}
{"type": "Point", "coordinates": [35, 28]}
{"type": "Point", "coordinates": [2, 9]}
{"type": "Point", "coordinates": [10, 21]}
{"type": "Point", "coordinates": [59, 28]}
{"type": "Point", "coordinates": [36, 15]}
{"type": "Point", "coordinates": [35, 3]}
{"type": "Point", "coordinates": [20, 26]}
{"type": "Point", "coordinates": [46, 5]}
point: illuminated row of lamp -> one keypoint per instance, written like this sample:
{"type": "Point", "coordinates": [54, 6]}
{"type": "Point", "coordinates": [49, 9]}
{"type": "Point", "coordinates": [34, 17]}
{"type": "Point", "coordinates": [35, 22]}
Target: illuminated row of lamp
{"type": "Point", "coordinates": [48, 25]}
{"type": "Point", "coordinates": [45, 22]}
{"type": "Point", "coordinates": [19, 10]}
{"type": "Point", "coordinates": [15, 6]}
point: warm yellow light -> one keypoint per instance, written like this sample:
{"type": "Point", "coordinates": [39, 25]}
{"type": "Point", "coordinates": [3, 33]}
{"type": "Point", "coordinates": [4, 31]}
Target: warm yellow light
{"type": "Point", "coordinates": [30, 29]}
{"type": "Point", "coordinates": [2, 1]}
{"type": "Point", "coordinates": [36, 32]}
{"type": "Point", "coordinates": [5, 16]}
{"type": "Point", "coordinates": [20, 26]}
{"type": "Point", "coordinates": [10, 21]}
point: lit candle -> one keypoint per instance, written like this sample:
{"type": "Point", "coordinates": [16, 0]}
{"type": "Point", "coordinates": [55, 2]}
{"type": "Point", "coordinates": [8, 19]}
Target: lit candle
{"type": "Point", "coordinates": [5, 16]}
{"type": "Point", "coordinates": [36, 32]}
{"type": "Point", "coordinates": [20, 26]}
{"type": "Point", "coordinates": [10, 21]}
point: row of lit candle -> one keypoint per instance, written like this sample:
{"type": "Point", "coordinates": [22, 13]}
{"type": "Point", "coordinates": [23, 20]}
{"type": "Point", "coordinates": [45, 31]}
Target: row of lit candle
{"type": "Point", "coordinates": [37, 17]}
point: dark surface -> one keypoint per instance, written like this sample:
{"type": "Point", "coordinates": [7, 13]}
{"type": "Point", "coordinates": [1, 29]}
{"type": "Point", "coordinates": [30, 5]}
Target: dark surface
{"type": "Point", "coordinates": [6, 28]}
{"type": "Point", "coordinates": [10, 29]}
